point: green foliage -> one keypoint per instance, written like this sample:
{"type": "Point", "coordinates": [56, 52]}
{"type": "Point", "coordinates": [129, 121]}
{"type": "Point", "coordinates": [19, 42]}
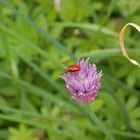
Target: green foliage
{"type": "Point", "coordinates": [126, 7]}
{"type": "Point", "coordinates": [74, 10]}
{"type": "Point", "coordinates": [22, 133]}
{"type": "Point", "coordinates": [36, 39]}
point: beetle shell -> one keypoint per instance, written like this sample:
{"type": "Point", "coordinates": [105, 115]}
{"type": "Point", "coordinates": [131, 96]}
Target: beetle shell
{"type": "Point", "coordinates": [72, 68]}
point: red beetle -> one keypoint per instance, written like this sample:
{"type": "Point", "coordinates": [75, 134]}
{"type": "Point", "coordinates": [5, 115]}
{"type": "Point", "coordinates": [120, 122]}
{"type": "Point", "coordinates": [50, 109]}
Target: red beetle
{"type": "Point", "coordinates": [72, 68]}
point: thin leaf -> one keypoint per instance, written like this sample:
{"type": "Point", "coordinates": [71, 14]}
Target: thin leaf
{"type": "Point", "coordinates": [95, 120]}
{"type": "Point", "coordinates": [106, 53]}
{"type": "Point", "coordinates": [93, 27]}
{"type": "Point", "coordinates": [120, 105]}
{"type": "Point", "coordinates": [31, 123]}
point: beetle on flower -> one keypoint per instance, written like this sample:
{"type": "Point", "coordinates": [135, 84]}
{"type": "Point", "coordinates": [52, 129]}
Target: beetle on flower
{"type": "Point", "coordinates": [83, 84]}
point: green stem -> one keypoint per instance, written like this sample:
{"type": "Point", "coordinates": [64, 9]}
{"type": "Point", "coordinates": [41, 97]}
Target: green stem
{"type": "Point", "coordinates": [95, 120]}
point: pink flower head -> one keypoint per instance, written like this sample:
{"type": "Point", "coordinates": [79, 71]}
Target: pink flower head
{"type": "Point", "coordinates": [84, 84]}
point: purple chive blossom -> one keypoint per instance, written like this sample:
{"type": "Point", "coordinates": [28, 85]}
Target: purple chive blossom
{"type": "Point", "coordinates": [84, 84]}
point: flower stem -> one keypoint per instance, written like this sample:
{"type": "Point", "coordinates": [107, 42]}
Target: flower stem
{"type": "Point", "coordinates": [95, 120]}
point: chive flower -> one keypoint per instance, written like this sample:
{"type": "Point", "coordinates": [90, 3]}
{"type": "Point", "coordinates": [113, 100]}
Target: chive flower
{"type": "Point", "coordinates": [84, 84]}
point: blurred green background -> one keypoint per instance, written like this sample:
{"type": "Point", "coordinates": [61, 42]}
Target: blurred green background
{"type": "Point", "coordinates": [38, 37]}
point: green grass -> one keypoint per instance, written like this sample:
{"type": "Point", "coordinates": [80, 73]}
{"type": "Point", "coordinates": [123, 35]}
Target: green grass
{"type": "Point", "coordinates": [36, 41]}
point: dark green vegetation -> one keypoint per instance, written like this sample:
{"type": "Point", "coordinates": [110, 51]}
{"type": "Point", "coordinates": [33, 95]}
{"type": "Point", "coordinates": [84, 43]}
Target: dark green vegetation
{"type": "Point", "coordinates": [37, 38]}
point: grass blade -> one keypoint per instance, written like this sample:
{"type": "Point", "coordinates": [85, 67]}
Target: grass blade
{"type": "Point", "coordinates": [95, 120]}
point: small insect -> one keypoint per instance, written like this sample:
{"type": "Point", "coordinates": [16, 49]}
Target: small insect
{"type": "Point", "coordinates": [72, 68]}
